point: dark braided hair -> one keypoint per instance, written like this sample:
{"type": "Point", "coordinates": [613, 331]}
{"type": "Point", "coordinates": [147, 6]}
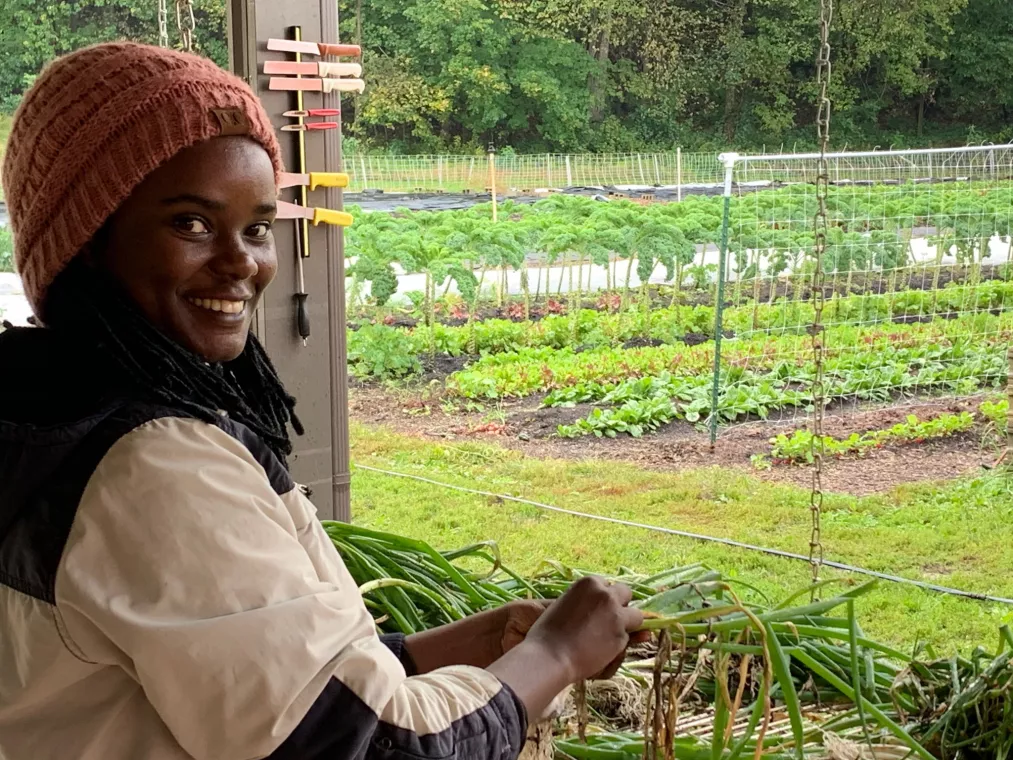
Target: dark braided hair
{"type": "Point", "coordinates": [87, 305]}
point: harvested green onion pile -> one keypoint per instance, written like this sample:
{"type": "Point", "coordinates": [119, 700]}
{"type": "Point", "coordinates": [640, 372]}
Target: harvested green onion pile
{"type": "Point", "coordinates": [748, 658]}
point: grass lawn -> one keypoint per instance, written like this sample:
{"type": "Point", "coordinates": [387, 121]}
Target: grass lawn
{"type": "Point", "coordinates": [957, 534]}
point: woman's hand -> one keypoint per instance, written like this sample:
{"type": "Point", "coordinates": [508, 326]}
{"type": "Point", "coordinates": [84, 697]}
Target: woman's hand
{"type": "Point", "coordinates": [538, 648]}
{"type": "Point", "coordinates": [482, 639]}
{"type": "Point", "coordinates": [478, 640]}
{"type": "Point", "coordinates": [522, 615]}
{"type": "Point", "coordinates": [518, 617]}
{"type": "Point", "coordinates": [589, 627]}
{"type": "Point", "coordinates": [582, 635]}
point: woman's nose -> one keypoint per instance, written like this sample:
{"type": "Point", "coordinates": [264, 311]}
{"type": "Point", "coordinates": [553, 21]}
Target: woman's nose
{"type": "Point", "coordinates": [234, 259]}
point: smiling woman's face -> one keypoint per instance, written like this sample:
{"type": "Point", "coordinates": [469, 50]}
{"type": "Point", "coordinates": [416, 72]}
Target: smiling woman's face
{"type": "Point", "coordinates": [193, 245]}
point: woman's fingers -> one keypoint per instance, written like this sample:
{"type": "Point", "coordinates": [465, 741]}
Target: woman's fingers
{"type": "Point", "coordinates": [622, 593]}
{"type": "Point", "coordinates": [611, 668]}
{"type": "Point", "coordinates": [633, 619]}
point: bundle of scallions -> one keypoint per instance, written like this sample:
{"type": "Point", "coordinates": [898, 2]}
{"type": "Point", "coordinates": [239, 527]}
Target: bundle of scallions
{"type": "Point", "coordinates": [723, 644]}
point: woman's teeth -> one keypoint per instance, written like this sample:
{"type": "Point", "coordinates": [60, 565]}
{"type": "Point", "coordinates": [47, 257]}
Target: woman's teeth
{"type": "Point", "coordinates": [213, 304]}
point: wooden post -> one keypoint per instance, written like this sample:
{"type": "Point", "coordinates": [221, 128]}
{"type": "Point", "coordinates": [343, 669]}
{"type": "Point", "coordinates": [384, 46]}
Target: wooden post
{"type": "Point", "coordinates": [315, 373]}
{"type": "Point", "coordinates": [242, 38]}
{"type": "Point", "coordinates": [569, 174]}
{"type": "Point", "coordinates": [678, 174]}
{"type": "Point", "coordinates": [492, 180]}
{"type": "Point", "coordinates": [337, 312]}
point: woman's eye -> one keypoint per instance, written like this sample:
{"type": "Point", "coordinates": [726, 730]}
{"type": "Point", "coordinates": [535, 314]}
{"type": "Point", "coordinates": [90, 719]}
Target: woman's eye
{"type": "Point", "coordinates": [191, 225]}
{"type": "Point", "coordinates": [260, 231]}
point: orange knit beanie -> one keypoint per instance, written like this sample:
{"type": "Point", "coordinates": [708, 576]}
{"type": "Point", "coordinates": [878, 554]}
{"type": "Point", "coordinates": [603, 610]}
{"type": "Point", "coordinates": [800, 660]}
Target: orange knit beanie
{"type": "Point", "coordinates": [94, 125]}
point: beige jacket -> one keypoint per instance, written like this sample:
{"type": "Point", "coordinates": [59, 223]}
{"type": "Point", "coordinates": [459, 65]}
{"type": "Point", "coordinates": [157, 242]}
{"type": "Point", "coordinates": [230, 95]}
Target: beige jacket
{"type": "Point", "coordinates": [196, 609]}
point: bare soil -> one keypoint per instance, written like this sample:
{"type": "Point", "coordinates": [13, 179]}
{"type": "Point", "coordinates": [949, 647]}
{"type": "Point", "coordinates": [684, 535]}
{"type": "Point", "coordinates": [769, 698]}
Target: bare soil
{"type": "Point", "coordinates": [524, 426]}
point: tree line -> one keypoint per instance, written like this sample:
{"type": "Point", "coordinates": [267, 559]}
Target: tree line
{"type": "Point", "coordinates": [616, 75]}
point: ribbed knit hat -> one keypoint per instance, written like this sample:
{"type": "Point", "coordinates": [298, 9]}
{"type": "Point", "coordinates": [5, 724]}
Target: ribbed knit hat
{"type": "Point", "coordinates": [94, 125]}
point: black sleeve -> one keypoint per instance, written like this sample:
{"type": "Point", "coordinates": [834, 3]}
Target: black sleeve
{"type": "Point", "coordinates": [395, 643]}
{"type": "Point", "coordinates": [340, 726]}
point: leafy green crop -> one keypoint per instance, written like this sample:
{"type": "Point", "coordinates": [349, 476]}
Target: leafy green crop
{"type": "Point", "coordinates": [798, 446]}
{"type": "Point", "coordinates": [587, 328]}
{"type": "Point", "coordinates": [996, 412]}
{"type": "Point", "coordinates": [634, 417]}
{"type": "Point", "coordinates": [868, 363]}
{"type": "Point", "coordinates": [770, 233]}
{"type": "Point", "coordinates": [381, 352]}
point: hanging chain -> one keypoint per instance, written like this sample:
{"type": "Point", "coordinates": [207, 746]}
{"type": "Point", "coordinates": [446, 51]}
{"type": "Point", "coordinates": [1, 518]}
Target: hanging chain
{"type": "Point", "coordinates": [818, 279]}
{"type": "Point", "coordinates": [186, 23]}
{"type": "Point", "coordinates": [163, 24]}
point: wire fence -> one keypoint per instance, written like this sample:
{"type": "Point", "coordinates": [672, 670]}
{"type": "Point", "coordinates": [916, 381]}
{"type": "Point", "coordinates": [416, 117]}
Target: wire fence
{"type": "Point", "coordinates": [520, 174]}
{"type": "Point", "coordinates": [917, 266]}
{"type": "Point", "coordinates": [983, 163]}
{"type": "Point", "coordinates": [918, 292]}
{"type": "Point", "coordinates": [685, 534]}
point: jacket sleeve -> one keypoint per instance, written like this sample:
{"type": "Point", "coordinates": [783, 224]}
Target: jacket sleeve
{"type": "Point", "coordinates": [224, 600]}
{"type": "Point", "coordinates": [395, 643]}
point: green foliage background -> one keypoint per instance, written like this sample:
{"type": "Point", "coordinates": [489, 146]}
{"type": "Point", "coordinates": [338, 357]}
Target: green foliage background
{"type": "Point", "coordinates": [605, 75]}
{"type": "Point", "coordinates": [37, 31]}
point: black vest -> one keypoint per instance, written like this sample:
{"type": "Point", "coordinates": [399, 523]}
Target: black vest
{"type": "Point", "coordinates": [61, 410]}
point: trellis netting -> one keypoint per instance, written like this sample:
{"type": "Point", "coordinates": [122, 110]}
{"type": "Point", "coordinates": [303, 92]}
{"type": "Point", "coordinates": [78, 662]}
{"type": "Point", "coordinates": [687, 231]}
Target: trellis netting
{"type": "Point", "coordinates": [917, 278]}
{"type": "Point", "coordinates": [518, 174]}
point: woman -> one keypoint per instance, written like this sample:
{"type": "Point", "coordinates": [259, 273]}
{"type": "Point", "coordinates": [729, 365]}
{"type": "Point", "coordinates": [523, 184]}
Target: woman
{"type": "Point", "coordinates": [165, 588]}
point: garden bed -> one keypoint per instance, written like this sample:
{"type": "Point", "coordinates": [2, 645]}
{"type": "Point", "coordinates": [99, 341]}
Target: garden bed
{"type": "Point", "coordinates": [525, 426]}
{"type": "Point", "coordinates": [452, 312]}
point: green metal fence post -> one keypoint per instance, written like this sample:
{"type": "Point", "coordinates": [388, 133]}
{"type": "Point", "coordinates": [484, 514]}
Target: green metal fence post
{"type": "Point", "coordinates": [728, 159]}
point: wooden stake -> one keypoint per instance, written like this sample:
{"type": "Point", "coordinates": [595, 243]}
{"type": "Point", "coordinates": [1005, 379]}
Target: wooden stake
{"type": "Point", "coordinates": [492, 182]}
{"type": "Point", "coordinates": [678, 174]}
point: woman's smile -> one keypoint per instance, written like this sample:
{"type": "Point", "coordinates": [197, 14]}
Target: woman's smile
{"type": "Point", "coordinates": [221, 306]}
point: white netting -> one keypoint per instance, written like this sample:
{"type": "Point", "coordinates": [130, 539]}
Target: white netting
{"type": "Point", "coordinates": [528, 173]}
{"type": "Point", "coordinates": [918, 277]}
